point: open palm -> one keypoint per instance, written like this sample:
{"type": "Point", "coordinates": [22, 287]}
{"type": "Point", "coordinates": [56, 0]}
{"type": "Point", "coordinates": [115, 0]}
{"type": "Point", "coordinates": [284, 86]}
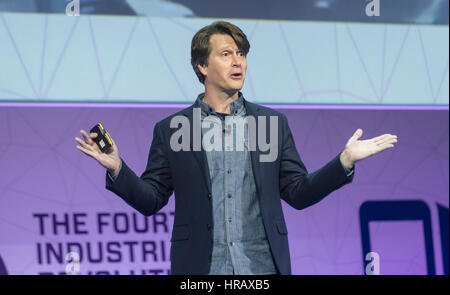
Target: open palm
{"type": "Point", "coordinates": [361, 149]}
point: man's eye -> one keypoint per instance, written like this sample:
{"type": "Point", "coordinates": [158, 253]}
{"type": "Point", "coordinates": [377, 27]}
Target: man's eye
{"type": "Point", "coordinates": [225, 54]}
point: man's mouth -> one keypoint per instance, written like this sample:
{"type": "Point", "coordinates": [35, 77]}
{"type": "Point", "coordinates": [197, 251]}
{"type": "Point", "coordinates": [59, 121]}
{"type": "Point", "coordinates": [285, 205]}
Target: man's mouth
{"type": "Point", "coordinates": [236, 76]}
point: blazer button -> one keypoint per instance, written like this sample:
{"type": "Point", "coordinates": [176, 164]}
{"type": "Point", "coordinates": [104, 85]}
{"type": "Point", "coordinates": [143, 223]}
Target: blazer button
{"type": "Point", "coordinates": [208, 226]}
{"type": "Point", "coordinates": [209, 196]}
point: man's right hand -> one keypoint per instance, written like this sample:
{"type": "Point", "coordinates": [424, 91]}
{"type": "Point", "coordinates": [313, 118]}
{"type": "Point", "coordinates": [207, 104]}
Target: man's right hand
{"type": "Point", "coordinates": [110, 160]}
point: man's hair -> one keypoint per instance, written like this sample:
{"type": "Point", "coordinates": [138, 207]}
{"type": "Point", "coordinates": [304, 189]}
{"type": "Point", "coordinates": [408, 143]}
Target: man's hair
{"type": "Point", "coordinates": [201, 48]}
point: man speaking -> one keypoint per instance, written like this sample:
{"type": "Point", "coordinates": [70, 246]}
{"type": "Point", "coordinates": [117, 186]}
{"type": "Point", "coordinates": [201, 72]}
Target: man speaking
{"type": "Point", "coordinates": [228, 214]}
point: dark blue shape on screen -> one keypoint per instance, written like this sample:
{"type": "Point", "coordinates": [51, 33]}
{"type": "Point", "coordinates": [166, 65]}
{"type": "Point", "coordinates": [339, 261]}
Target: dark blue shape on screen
{"type": "Point", "coordinates": [395, 211]}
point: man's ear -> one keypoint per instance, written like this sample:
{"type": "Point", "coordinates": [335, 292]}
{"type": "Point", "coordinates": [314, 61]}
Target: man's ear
{"type": "Point", "coordinates": [203, 69]}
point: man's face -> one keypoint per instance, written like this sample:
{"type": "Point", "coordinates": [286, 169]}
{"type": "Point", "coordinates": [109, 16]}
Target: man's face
{"type": "Point", "coordinates": [227, 64]}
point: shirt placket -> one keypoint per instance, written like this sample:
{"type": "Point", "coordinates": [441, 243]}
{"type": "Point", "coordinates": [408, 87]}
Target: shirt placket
{"type": "Point", "coordinates": [229, 193]}
{"type": "Point", "coordinates": [217, 156]}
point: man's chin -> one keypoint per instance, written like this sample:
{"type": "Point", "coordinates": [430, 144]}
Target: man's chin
{"type": "Point", "coordinates": [232, 88]}
{"type": "Point", "coordinates": [236, 86]}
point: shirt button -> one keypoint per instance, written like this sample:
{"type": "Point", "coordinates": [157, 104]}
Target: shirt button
{"type": "Point", "coordinates": [229, 219]}
{"type": "Point", "coordinates": [229, 196]}
{"type": "Point", "coordinates": [231, 243]}
{"type": "Point", "coordinates": [229, 171]}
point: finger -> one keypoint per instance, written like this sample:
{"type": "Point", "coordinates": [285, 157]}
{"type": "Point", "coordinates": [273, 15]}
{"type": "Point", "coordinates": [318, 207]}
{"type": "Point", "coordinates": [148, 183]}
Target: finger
{"type": "Point", "coordinates": [385, 146]}
{"type": "Point", "coordinates": [92, 147]}
{"type": "Point", "coordinates": [378, 138]}
{"type": "Point", "coordinates": [86, 137]}
{"type": "Point", "coordinates": [387, 139]}
{"type": "Point", "coordinates": [392, 140]}
{"type": "Point", "coordinates": [93, 135]}
{"type": "Point", "coordinates": [84, 144]}
{"type": "Point", "coordinates": [381, 138]}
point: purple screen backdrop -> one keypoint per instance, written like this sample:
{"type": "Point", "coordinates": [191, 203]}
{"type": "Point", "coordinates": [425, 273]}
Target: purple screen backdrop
{"type": "Point", "coordinates": [53, 198]}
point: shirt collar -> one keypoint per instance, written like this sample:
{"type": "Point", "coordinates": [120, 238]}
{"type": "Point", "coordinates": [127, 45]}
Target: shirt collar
{"type": "Point", "coordinates": [236, 107]}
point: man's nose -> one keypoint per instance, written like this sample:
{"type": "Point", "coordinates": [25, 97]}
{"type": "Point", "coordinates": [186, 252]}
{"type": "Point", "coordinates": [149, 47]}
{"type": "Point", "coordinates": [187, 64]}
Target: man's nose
{"type": "Point", "coordinates": [236, 60]}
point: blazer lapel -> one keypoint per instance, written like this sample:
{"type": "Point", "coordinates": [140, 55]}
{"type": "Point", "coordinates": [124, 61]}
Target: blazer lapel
{"type": "Point", "coordinates": [200, 156]}
{"type": "Point", "coordinates": [253, 110]}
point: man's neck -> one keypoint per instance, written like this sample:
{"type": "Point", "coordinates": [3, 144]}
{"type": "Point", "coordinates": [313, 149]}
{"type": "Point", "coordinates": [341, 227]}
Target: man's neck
{"type": "Point", "coordinates": [220, 101]}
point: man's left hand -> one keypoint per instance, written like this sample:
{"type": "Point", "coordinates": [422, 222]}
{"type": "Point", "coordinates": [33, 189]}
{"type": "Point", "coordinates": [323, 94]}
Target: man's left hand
{"type": "Point", "coordinates": [356, 150]}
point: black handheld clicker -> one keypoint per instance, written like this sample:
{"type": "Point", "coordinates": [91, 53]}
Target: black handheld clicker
{"type": "Point", "coordinates": [103, 140]}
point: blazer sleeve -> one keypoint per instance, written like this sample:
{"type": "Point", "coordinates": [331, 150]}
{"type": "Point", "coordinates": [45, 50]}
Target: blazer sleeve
{"type": "Point", "coordinates": [299, 188]}
{"type": "Point", "coordinates": [150, 192]}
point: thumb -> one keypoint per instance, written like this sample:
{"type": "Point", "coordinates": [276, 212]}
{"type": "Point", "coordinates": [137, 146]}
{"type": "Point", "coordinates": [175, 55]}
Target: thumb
{"type": "Point", "coordinates": [114, 146]}
{"type": "Point", "coordinates": [114, 143]}
{"type": "Point", "coordinates": [358, 133]}
{"type": "Point", "coordinates": [354, 137]}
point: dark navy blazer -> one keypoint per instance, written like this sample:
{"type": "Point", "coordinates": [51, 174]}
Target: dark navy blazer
{"type": "Point", "coordinates": [186, 173]}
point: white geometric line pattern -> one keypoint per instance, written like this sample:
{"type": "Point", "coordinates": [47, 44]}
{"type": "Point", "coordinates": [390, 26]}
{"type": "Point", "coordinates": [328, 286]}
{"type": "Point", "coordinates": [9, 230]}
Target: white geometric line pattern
{"type": "Point", "coordinates": [147, 59]}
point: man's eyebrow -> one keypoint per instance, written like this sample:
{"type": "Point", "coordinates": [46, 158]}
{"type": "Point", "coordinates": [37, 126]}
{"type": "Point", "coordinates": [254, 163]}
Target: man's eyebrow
{"type": "Point", "coordinates": [228, 47]}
